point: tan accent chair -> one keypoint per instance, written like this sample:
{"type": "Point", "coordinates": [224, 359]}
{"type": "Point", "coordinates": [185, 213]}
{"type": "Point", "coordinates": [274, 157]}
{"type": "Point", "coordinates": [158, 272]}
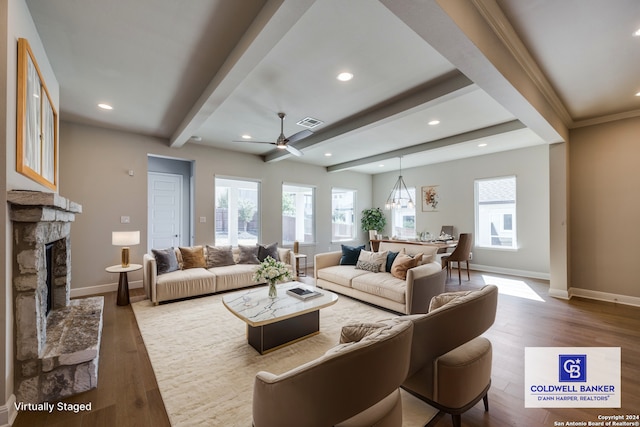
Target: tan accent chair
{"type": "Point", "coordinates": [353, 384]}
{"type": "Point", "coordinates": [461, 253]}
{"type": "Point", "coordinates": [450, 363]}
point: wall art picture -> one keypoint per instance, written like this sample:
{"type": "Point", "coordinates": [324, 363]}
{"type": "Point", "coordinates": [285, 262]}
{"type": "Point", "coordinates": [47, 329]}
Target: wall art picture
{"type": "Point", "coordinates": [430, 198]}
{"type": "Point", "coordinates": [37, 133]}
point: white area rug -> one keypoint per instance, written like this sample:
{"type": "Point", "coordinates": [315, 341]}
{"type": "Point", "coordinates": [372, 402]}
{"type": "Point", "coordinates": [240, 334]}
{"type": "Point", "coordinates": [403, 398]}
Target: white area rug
{"type": "Point", "coordinates": [205, 368]}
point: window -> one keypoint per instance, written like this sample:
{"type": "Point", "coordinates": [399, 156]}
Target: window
{"type": "Point", "coordinates": [237, 212]}
{"type": "Point", "coordinates": [343, 204]}
{"type": "Point", "coordinates": [298, 214]}
{"type": "Point", "coordinates": [495, 201]}
{"type": "Point", "coordinates": [403, 219]}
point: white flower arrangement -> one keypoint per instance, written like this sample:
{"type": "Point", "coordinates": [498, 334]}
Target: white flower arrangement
{"type": "Point", "coordinates": [271, 271]}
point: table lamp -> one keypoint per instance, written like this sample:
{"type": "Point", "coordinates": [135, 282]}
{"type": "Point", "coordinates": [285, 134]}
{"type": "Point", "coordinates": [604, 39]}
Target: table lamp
{"type": "Point", "coordinates": [125, 239]}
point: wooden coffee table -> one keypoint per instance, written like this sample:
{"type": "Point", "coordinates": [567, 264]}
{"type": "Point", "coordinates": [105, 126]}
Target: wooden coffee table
{"type": "Point", "coordinates": [274, 323]}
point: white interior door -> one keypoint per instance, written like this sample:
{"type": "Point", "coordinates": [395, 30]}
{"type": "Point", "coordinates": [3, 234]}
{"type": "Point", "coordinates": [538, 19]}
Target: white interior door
{"type": "Point", "coordinates": [165, 208]}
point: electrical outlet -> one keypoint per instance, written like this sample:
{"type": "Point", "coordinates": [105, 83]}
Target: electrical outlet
{"type": "Point", "coordinates": [125, 220]}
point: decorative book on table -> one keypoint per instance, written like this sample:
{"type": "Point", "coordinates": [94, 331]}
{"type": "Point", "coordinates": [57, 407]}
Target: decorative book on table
{"type": "Point", "coordinates": [303, 294]}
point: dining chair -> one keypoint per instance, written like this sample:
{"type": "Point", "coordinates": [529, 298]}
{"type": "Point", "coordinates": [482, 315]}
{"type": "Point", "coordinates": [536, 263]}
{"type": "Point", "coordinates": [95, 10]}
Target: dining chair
{"type": "Point", "coordinates": [446, 229]}
{"type": "Point", "coordinates": [461, 253]}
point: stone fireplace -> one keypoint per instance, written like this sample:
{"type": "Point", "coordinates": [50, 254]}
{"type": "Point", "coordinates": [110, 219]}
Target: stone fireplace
{"type": "Point", "coordinates": [57, 340]}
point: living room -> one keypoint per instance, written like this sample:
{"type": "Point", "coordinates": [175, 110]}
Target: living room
{"type": "Point", "coordinates": [105, 170]}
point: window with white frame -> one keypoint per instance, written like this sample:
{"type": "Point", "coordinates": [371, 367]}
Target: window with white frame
{"type": "Point", "coordinates": [495, 202]}
{"type": "Point", "coordinates": [298, 214]}
{"type": "Point", "coordinates": [403, 218]}
{"type": "Point", "coordinates": [343, 204]}
{"type": "Point", "coordinates": [237, 216]}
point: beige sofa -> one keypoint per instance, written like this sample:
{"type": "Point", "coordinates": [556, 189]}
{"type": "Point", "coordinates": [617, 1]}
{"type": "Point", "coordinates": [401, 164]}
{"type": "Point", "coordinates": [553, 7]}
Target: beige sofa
{"type": "Point", "coordinates": [191, 282]}
{"type": "Point", "coordinates": [354, 384]}
{"type": "Point", "coordinates": [450, 365]}
{"type": "Point", "coordinates": [408, 296]}
{"type": "Point", "coordinates": [453, 374]}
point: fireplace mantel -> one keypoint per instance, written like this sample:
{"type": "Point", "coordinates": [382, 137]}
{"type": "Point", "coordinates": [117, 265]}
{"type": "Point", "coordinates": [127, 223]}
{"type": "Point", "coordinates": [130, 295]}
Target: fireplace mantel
{"type": "Point", "coordinates": [56, 352]}
{"type": "Point", "coordinates": [38, 206]}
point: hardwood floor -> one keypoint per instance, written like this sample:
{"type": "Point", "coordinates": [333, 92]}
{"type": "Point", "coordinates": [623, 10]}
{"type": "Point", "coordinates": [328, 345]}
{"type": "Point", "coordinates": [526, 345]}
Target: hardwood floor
{"type": "Point", "coordinates": [127, 394]}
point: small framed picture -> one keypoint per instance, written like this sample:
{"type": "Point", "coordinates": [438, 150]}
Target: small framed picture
{"type": "Point", "coordinates": [430, 198]}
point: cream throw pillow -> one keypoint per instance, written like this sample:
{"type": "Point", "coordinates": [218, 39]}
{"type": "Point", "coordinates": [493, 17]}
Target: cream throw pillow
{"type": "Point", "coordinates": [374, 258]}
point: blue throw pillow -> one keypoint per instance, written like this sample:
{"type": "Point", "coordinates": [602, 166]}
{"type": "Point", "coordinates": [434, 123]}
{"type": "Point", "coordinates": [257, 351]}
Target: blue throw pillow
{"type": "Point", "coordinates": [350, 254]}
{"type": "Point", "coordinates": [391, 256]}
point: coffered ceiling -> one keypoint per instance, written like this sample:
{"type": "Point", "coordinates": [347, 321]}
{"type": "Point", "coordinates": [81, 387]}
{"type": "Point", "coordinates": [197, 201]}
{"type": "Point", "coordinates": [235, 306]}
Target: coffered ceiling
{"type": "Point", "coordinates": [504, 73]}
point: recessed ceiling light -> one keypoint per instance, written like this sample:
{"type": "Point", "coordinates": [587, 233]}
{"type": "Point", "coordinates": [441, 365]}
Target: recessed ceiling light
{"type": "Point", "coordinates": [246, 136]}
{"type": "Point", "coordinates": [482, 145]}
{"type": "Point", "coordinates": [327, 154]}
{"type": "Point", "coordinates": [637, 33]}
{"type": "Point", "coordinates": [105, 106]}
{"type": "Point", "coordinates": [380, 165]}
{"type": "Point", "coordinates": [638, 94]}
{"type": "Point", "coordinates": [345, 77]}
{"type": "Point", "coordinates": [434, 122]}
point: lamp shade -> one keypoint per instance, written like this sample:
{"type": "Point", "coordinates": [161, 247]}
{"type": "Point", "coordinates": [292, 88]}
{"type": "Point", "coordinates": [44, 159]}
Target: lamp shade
{"type": "Point", "coordinates": [125, 238]}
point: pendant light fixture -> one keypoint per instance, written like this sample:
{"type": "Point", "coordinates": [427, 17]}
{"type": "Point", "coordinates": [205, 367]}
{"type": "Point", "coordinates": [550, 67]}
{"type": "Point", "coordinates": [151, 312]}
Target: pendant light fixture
{"type": "Point", "coordinates": [399, 196]}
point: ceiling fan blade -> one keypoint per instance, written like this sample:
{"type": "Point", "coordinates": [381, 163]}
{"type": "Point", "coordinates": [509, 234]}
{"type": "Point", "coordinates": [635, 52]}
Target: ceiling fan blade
{"type": "Point", "coordinates": [298, 136]}
{"type": "Point", "coordinates": [255, 142]}
{"type": "Point", "coordinates": [293, 150]}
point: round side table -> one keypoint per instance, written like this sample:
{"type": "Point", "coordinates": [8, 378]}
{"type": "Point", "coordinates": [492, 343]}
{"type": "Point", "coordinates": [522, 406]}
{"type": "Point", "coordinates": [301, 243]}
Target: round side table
{"type": "Point", "coordinates": [123, 282]}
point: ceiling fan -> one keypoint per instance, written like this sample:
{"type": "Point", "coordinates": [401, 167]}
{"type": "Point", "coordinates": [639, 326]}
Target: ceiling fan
{"type": "Point", "coordinates": [283, 142]}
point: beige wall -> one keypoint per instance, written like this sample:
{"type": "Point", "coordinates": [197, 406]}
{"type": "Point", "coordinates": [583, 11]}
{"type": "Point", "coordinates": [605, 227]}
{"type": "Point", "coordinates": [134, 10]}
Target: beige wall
{"type": "Point", "coordinates": [94, 165]}
{"type": "Point", "coordinates": [16, 22]}
{"type": "Point", "coordinates": [456, 207]}
{"type": "Point", "coordinates": [605, 209]}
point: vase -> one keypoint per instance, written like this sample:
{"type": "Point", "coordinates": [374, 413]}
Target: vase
{"type": "Point", "coordinates": [273, 292]}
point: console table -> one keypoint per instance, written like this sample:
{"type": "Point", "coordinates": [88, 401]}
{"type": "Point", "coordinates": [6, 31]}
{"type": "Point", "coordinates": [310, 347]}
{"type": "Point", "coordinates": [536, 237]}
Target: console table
{"type": "Point", "coordinates": [442, 246]}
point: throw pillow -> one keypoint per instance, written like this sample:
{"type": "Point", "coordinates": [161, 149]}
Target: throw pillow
{"type": "Point", "coordinates": [391, 256]}
{"type": "Point", "coordinates": [402, 263]}
{"type": "Point", "coordinates": [268, 250]}
{"type": "Point", "coordinates": [193, 257]}
{"type": "Point", "coordinates": [368, 266]}
{"type": "Point", "coordinates": [350, 254]}
{"type": "Point", "coordinates": [373, 258]}
{"type": "Point", "coordinates": [166, 260]}
{"type": "Point", "coordinates": [418, 258]}
{"type": "Point", "coordinates": [248, 255]}
{"type": "Point", "coordinates": [219, 256]}
{"type": "Point", "coordinates": [443, 299]}
{"type": "Point", "coordinates": [356, 331]}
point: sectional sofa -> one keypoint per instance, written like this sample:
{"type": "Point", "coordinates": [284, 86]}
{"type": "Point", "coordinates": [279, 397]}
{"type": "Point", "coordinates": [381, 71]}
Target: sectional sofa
{"type": "Point", "coordinates": [202, 270]}
{"type": "Point", "coordinates": [408, 295]}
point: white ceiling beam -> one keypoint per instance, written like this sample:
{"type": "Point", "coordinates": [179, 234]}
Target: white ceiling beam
{"type": "Point", "coordinates": [459, 31]}
{"type": "Point", "coordinates": [272, 23]}
{"type": "Point", "coordinates": [432, 145]}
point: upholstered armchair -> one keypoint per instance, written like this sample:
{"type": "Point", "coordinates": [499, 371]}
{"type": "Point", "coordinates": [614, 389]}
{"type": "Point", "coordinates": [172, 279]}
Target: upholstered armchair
{"type": "Point", "coordinates": [450, 362]}
{"type": "Point", "coordinates": [353, 384]}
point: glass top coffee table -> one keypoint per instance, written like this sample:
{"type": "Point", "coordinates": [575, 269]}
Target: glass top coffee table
{"type": "Point", "coordinates": [274, 323]}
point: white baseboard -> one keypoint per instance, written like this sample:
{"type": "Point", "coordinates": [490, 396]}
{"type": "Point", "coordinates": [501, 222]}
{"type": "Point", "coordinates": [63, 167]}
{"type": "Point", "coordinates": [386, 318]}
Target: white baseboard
{"type": "Point", "coordinates": [8, 412]}
{"type": "Point", "coordinates": [560, 294]}
{"type": "Point", "coordinates": [510, 271]}
{"type": "Point", "coordinates": [102, 289]}
{"type": "Point", "coordinates": [605, 296]}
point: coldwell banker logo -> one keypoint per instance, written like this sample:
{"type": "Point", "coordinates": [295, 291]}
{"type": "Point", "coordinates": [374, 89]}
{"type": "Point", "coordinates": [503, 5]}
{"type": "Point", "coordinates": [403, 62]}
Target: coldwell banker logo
{"type": "Point", "coordinates": [557, 377]}
{"type": "Point", "coordinates": [573, 368]}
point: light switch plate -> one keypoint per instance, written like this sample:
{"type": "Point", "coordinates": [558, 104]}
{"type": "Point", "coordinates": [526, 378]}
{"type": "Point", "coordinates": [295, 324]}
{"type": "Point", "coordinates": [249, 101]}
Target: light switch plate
{"type": "Point", "coordinates": [125, 220]}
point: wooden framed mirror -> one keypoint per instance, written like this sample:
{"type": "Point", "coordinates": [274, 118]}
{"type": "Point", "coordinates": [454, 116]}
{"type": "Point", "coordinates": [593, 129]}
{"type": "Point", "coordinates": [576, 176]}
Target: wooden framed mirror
{"type": "Point", "coordinates": [37, 123]}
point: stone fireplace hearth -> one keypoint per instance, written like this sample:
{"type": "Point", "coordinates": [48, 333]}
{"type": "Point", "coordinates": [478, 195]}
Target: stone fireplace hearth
{"type": "Point", "coordinates": [56, 352]}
